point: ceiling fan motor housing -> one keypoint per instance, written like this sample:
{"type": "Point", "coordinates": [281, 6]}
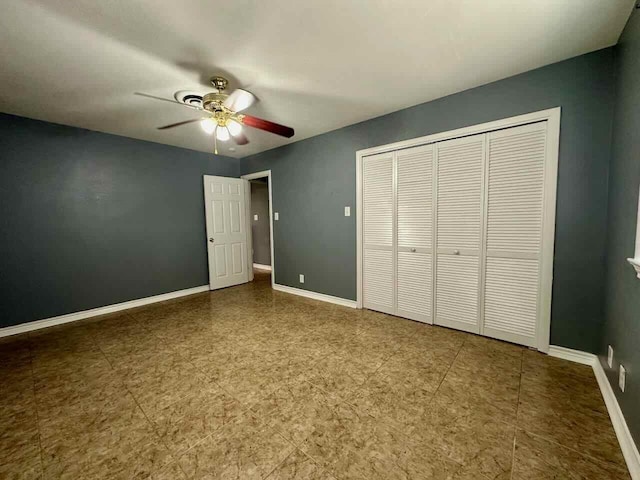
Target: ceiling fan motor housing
{"type": "Point", "coordinates": [213, 101]}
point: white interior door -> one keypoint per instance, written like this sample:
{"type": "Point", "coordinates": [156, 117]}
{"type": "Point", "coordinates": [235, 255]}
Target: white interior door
{"type": "Point", "coordinates": [516, 171]}
{"type": "Point", "coordinates": [225, 209]}
{"type": "Point", "coordinates": [460, 179]}
{"type": "Point", "coordinates": [414, 214]}
{"type": "Point", "coordinates": [378, 266]}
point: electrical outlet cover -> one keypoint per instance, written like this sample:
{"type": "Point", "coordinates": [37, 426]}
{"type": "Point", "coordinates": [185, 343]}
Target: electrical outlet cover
{"type": "Point", "coordinates": [255, 217]}
{"type": "Point", "coordinates": [347, 211]}
{"type": "Point", "coordinates": [622, 378]}
{"type": "Point", "coordinates": [610, 357]}
{"type": "Point", "coordinates": [301, 278]}
{"type": "Point", "coordinates": [276, 216]}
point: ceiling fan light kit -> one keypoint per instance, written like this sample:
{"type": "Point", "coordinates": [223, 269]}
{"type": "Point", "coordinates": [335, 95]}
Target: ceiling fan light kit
{"type": "Point", "coordinates": [221, 109]}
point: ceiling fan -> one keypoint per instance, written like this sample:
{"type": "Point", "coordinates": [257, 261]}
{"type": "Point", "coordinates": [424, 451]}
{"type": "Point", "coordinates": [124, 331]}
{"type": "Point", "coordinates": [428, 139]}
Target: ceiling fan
{"type": "Point", "coordinates": [222, 115]}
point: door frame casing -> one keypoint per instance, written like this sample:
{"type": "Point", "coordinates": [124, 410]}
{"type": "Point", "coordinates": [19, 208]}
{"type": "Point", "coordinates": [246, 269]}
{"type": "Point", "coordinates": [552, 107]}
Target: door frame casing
{"type": "Point", "coordinates": [552, 117]}
{"type": "Point", "coordinates": [253, 176]}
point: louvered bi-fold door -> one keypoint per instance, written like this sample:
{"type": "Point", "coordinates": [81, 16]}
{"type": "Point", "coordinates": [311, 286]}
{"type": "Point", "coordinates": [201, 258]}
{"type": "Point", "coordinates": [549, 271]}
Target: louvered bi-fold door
{"type": "Point", "coordinates": [414, 213]}
{"type": "Point", "coordinates": [516, 162]}
{"type": "Point", "coordinates": [378, 267]}
{"type": "Point", "coordinates": [459, 227]}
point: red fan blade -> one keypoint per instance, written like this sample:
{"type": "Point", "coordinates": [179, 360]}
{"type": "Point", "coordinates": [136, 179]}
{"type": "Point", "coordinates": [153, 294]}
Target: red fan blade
{"type": "Point", "coordinates": [267, 126]}
{"type": "Point", "coordinates": [240, 139]}
{"type": "Point", "coordinates": [179, 123]}
{"type": "Point", "coordinates": [239, 100]}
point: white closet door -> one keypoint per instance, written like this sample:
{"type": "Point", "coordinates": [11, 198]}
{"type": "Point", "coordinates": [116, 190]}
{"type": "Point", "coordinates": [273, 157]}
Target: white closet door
{"type": "Point", "coordinates": [516, 161]}
{"type": "Point", "coordinates": [414, 209]}
{"type": "Point", "coordinates": [460, 179]}
{"type": "Point", "coordinates": [378, 267]}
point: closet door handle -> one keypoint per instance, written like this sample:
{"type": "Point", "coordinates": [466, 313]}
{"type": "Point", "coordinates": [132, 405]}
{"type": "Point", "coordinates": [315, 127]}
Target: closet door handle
{"type": "Point", "coordinates": [456, 252]}
{"type": "Point", "coordinates": [413, 249]}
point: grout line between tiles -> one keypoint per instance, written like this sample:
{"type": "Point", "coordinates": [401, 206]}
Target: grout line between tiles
{"type": "Point", "coordinates": [618, 466]}
{"type": "Point", "coordinates": [515, 436]}
{"type": "Point", "coordinates": [35, 403]}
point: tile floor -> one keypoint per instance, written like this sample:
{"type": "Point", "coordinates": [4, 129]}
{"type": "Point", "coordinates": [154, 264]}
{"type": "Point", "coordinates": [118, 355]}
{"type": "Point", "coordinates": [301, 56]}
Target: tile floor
{"type": "Point", "coordinates": [250, 383]}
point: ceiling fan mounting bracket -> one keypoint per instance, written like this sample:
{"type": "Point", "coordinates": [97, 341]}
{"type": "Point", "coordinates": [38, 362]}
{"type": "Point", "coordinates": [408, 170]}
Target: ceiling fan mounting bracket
{"type": "Point", "coordinates": [219, 83]}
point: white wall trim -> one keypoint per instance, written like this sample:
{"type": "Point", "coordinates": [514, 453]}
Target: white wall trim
{"type": "Point", "coordinates": [627, 445]}
{"type": "Point", "coordinates": [259, 266]}
{"type": "Point", "coordinates": [94, 312]}
{"type": "Point", "coordinates": [254, 176]}
{"type": "Point", "coordinates": [572, 355]}
{"type": "Point", "coordinates": [552, 117]}
{"type": "Point", "coordinates": [316, 296]}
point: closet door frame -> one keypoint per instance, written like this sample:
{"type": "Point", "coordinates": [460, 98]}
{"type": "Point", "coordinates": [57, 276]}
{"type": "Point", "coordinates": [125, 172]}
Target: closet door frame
{"type": "Point", "coordinates": [552, 117]}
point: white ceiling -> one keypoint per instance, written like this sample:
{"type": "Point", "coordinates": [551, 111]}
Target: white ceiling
{"type": "Point", "coordinates": [315, 65]}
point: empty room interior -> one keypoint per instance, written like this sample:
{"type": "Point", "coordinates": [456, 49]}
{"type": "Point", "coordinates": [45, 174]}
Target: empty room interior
{"type": "Point", "coordinates": [316, 240]}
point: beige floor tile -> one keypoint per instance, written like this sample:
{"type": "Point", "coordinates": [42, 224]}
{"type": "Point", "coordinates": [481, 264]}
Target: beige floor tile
{"type": "Point", "coordinates": [539, 459]}
{"type": "Point", "coordinates": [244, 449]}
{"type": "Point", "coordinates": [299, 466]}
{"type": "Point", "coordinates": [338, 375]}
{"type": "Point", "coordinates": [468, 436]}
{"type": "Point", "coordinates": [397, 404]}
{"type": "Point", "coordinates": [19, 444]}
{"type": "Point", "coordinates": [183, 424]}
{"type": "Point", "coordinates": [583, 429]}
{"type": "Point", "coordinates": [248, 383]}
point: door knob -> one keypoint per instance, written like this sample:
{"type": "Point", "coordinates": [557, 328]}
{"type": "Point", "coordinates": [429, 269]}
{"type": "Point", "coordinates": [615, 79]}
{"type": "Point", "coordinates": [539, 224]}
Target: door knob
{"type": "Point", "coordinates": [413, 249]}
{"type": "Point", "coordinates": [456, 252]}
{"type": "Point", "coordinates": [211, 239]}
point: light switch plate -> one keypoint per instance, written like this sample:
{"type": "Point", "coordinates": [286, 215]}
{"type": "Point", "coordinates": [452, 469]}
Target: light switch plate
{"type": "Point", "coordinates": [301, 278]}
{"type": "Point", "coordinates": [276, 216]}
{"type": "Point", "coordinates": [255, 218]}
{"type": "Point", "coordinates": [610, 357]}
{"type": "Point", "coordinates": [347, 211]}
{"type": "Point", "coordinates": [622, 378]}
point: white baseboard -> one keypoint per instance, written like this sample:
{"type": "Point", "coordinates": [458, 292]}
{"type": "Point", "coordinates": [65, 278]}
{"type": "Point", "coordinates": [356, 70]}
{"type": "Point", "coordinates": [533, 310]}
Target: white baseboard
{"type": "Point", "coordinates": [94, 312]}
{"type": "Point", "coordinates": [572, 355]}
{"type": "Point", "coordinates": [262, 267]}
{"type": "Point", "coordinates": [316, 296]}
{"type": "Point", "coordinates": [627, 445]}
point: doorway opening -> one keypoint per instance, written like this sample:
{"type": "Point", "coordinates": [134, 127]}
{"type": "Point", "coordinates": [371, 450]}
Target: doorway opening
{"type": "Point", "coordinates": [260, 228]}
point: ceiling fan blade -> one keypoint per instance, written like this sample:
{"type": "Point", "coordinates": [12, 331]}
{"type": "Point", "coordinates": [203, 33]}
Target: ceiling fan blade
{"type": "Point", "coordinates": [153, 97]}
{"type": "Point", "coordinates": [266, 125]}
{"type": "Point", "coordinates": [240, 138]}
{"type": "Point", "coordinates": [239, 100]}
{"type": "Point", "coordinates": [179, 123]}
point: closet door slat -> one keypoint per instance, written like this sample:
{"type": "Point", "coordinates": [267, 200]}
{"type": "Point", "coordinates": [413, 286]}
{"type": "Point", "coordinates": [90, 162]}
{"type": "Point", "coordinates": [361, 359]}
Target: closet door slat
{"type": "Point", "coordinates": [459, 217]}
{"type": "Point", "coordinates": [378, 267]}
{"type": "Point", "coordinates": [516, 162]}
{"type": "Point", "coordinates": [414, 210]}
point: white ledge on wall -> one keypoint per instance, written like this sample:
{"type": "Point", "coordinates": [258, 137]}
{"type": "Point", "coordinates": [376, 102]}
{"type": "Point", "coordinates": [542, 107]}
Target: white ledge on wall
{"type": "Point", "coordinates": [635, 263]}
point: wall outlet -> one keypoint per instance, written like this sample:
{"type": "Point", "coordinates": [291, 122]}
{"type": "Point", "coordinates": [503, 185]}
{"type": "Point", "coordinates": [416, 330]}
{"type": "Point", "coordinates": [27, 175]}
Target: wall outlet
{"type": "Point", "coordinates": [255, 218]}
{"type": "Point", "coordinates": [347, 211]}
{"type": "Point", "coordinates": [610, 357]}
{"type": "Point", "coordinates": [276, 216]}
{"type": "Point", "coordinates": [301, 278]}
{"type": "Point", "coordinates": [622, 378]}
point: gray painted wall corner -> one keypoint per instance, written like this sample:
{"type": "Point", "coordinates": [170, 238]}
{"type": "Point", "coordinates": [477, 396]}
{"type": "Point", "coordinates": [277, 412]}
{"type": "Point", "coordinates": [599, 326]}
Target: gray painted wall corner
{"type": "Point", "coordinates": [622, 313]}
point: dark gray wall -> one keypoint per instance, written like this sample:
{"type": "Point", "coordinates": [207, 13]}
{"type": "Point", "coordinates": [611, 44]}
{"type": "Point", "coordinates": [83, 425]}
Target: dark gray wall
{"type": "Point", "coordinates": [90, 219]}
{"type": "Point", "coordinates": [260, 235]}
{"type": "Point", "coordinates": [622, 314]}
{"type": "Point", "coordinates": [314, 179]}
